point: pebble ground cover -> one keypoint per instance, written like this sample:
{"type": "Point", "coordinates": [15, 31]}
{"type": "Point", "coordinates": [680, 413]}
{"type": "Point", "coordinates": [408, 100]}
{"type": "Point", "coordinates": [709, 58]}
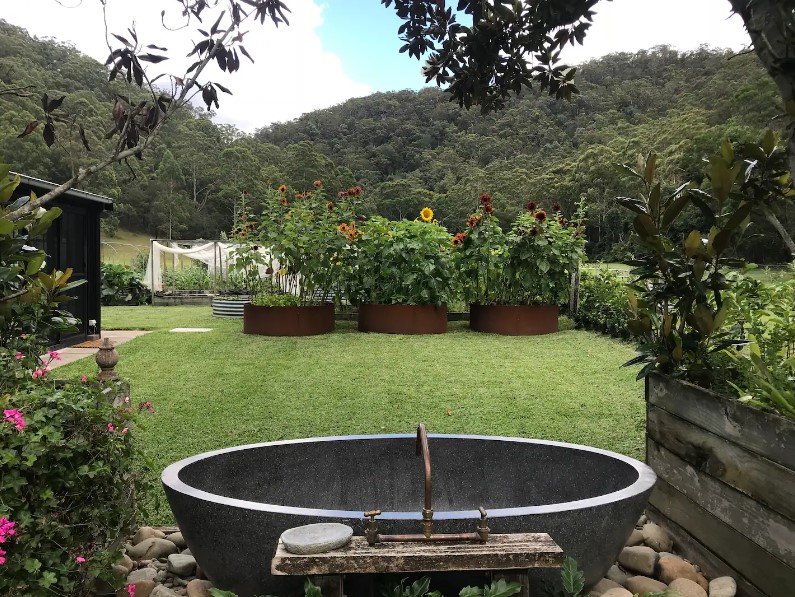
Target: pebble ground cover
{"type": "Point", "coordinates": [223, 388]}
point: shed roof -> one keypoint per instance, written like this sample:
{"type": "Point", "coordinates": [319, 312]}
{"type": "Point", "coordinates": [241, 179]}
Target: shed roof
{"type": "Point", "coordinates": [107, 202]}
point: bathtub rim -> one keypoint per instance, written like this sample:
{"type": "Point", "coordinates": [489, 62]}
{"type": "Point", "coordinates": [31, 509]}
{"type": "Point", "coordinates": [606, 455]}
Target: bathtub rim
{"type": "Point", "coordinates": [645, 481]}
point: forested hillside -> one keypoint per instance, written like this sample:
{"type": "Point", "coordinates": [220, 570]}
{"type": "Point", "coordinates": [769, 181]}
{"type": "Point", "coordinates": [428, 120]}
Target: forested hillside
{"type": "Point", "coordinates": [406, 149]}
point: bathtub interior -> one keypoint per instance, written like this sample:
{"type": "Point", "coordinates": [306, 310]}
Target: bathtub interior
{"type": "Point", "coordinates": [386, 473]}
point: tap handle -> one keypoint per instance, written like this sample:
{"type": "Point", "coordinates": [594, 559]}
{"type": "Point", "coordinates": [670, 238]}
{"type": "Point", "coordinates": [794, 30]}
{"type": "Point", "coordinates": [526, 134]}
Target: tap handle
{"type": "Point", "coordinates": [371, 514]}
{"type": "Point", "coordinates": [483, 514]}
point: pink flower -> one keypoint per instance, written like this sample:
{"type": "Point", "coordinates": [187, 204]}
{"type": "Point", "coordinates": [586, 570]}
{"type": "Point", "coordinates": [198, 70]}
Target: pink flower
{"type": "Point", "coordinates": [126, 400]}
{"type": "Point", "coordinates": [19, 356]}
{"type": "Point", "coordinates": [80, 559]}
{"type": "Point", "coordinates": [23, 335]}
{"type": "Point", "coordinates": [6, 529]}
{"type": "Point", "coordinates": [54, 355]}
{"type": "Point", "coordinates": [83, 379]}
{"type": "Point", "coordinates": [131, 590]}
{"type": "Point", "coordinates": [14, 417]}
{"type": "Point", "coordinates": [124, 431]}
{"type": "Point", "coordinates": [111, 428]}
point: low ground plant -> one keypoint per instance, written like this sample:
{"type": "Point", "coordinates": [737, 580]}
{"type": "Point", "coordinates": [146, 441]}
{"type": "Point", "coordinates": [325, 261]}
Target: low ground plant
{"type": "Point", "coordinates": [603, 302]}
{"type": "Point", "coordinates": [122, 285]}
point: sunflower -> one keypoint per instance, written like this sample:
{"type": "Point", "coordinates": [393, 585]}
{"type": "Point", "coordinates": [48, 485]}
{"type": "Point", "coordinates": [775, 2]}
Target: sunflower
{"type": "Point", "coordinates": [456, 241]}
{"type": "Point", "coordinates": [534, 232]}
{"type": "Point", "coordinates": [283, 189]}
{"type": "Point", "coordinates": [343, 228]}
{"type": "Point", "coordinates": [283, 200]}
{"type": "Point", "coordinates": [426, 214]}
{"type": "Point", "coordinates": [531, 206]}
{"type": "Point", "coordinates": [563, 222]}
{"type": "Point", "coordinates": [485, 199]}
{"type": "Point", "coordinates": [556, 207]}
{"type": "Point", "coordinates": [473, 221]}
{"type": "Point", "coordinates": [541, 215]}
{"type": "Point", "coordinates": [330, 206]}
{"type": "Point", "coordinates": [488, 209]}
{"type": "Point", "coordinates": [318, 184]}
{"type": "Point", "coordinates": [352, 234]}
{"type": "Point", "coordinates": [342, 194]}
{"type": "Point", "coordinates": [299, 195]}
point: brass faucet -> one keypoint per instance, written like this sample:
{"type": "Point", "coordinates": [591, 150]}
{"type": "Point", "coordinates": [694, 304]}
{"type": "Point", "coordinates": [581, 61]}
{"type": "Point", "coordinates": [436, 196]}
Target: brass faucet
{"type": "Point", "coordinates": [371, 532]}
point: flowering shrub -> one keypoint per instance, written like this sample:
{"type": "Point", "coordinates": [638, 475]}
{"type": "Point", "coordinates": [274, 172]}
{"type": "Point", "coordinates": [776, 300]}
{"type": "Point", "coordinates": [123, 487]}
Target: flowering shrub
{"type": "Point", "coordinates": [531, 264]}
{"type": "Point", "coordinates": [401, 262]}
{"type": "Point", "coordinates": [69, 471]}
{"type": "Point", "coordinates": [301, 232]}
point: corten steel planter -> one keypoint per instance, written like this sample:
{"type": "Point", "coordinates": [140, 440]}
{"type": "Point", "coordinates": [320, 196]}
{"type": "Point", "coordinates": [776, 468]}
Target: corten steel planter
{"type": "Point", "coordinates": [514, 320]}
{"type": "Point", "coordinates": [403, 319]}
{"type": "Point", "coordinates": [288, 321]}
{"type": "Point", "coordinates": [726, 484]}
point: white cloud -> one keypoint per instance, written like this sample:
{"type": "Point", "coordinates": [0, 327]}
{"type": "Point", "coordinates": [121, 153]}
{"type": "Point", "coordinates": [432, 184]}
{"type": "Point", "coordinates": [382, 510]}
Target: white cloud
{"type": "Point", "coordinates": [292, 73]}
{"type": "Point", "coordinates": [632, 25]}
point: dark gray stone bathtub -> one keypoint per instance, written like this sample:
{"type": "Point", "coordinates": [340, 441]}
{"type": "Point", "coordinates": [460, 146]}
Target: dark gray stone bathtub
{"type": "Point", "coordinates": [232, 505]}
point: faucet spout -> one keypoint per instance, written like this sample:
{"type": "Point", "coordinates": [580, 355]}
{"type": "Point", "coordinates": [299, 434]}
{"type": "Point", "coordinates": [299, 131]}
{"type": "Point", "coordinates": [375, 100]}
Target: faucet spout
{"type": "Point", "coordinates": [422, 450]}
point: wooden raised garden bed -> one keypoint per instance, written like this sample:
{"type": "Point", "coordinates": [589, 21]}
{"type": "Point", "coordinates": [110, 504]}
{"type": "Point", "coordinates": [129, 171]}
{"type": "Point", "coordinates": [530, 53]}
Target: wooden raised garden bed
{"type": "Point", "coordinates": [726, 484]}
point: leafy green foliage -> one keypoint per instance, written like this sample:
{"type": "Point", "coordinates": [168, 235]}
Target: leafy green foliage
{"type": "Point", "coordinates": [193, 277]}
{"type": "Point", "coordinates": [603, 302]}
{"type": "Point", "coordinates": [69, 481]}
{"type": "Point", "coordinates": [275, 298]}
{"type": "Point", "coordinates": [122, 285]}
{"type": "Point", "coordinates": [676, 300]}
{"type": "Point", "coordinates": [532, 264]}
{"type": "Point", "coordinates": [572, 577]}
{"type": "Point", "coordinates": [403, 262]}
{"type": "Point", "coordinates": [498, 588]}
{"type": "Point", "coordinates": [764, 313]}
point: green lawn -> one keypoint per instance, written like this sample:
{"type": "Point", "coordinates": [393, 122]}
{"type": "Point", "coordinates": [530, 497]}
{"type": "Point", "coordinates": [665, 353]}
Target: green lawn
{"type": "Point", "coordinates": [225, 388]}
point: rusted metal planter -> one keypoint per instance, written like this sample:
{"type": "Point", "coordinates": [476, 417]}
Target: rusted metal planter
{"type": "Point", "coordinates": [726, 481]}
{"type": "Point", "coordinates": [514, 320]}
{"type": "Point", "coordinates": [403, 319]}
{"type": "Point", "coordinates": [288, 321]}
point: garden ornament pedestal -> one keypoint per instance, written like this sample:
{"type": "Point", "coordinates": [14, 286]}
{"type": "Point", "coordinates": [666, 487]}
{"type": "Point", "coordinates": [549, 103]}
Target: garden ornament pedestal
{"type": "Point", "coordinates": [514, 320]}
{"type": "Point", "coordinates": [232, 505]}
{"type": "Point", "coordinates": [106, 358]}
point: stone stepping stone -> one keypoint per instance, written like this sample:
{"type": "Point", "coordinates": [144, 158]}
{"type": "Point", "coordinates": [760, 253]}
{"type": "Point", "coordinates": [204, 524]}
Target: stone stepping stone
{"type": "Point", "coordinates": [316, 538]}
{"type": "Point", "coordinates": [189, 330]}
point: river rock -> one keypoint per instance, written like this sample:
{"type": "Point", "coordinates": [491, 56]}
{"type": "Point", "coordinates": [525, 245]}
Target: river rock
{"type": "Point", "coordinates": [316, 538]}
{"type": "Point", "coordinates": [181, 565]}
{"type": "Point", "coordinates": [687, 588]}
{"type": "Point", "coordinates": [199, 588]}
{"type": "Point", "coordinates": [639, 559]}
{"type": "Point", "coordinates": [643, 584]}
{"type": "Point", "coordinates": [602, 587]}
{"type": "Point", "coordinates": [657, 537]}
{"type": "Point", "coordinates": [141, 574]}
{"type": "Point", "coordinates": [147, 533]}
{"type": "Point", "coordinates": [617, 575]}
{"type": "Point", "coordinates": [635, 538]}
{"type": "Point", "coordinates": [673, 567]}
{"type": "Point", "coordinates": [177, 539]}
{"type": "Point", "coordinates": [143, 588]}
{"type": "Point", "coordinates": [126, 562]}
{"type": "Point", "coordinates": [161, 591]}
{"type": "Point", "coordinates": [151, 548]}
{"type": "Point", "coordinates": [725, 586]}
{"type": "Point", "coordinates": [617, 592]}
{"type": "Point", "coordinates": [641, 521]}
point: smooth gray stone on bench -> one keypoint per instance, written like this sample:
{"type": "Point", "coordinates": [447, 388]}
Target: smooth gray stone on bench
{"type": "Point", "coordinates": [316, 538]}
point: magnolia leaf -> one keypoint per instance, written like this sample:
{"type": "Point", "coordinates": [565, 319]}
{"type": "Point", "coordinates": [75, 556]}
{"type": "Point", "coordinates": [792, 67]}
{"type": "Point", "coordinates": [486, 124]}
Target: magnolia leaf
{"type": "Point", "coordinates": [768, 142]}
{"type": "Point", "coordinates": [693, 244]}
{"type": "Point", "coordinates": [648, 171]}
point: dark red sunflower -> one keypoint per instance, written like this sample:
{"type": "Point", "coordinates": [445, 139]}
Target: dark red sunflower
{"type": "Point", "coordinates": [531, 206]}
{"type": "Point", "coordinates": [534, 232]}
{"type": "Point", "coordinates": [541, 215]}
{"type": "Point", "coordinates": [556, 207]}
{"type": "Point", "coordinates": [488, 209]}
{"type": "Point", "coordinates": [283, 200]}
{"type": "Point", "coordinates": [485, 199]}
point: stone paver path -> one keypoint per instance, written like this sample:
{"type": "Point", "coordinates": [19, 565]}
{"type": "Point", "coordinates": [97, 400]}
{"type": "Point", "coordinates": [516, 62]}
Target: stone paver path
{"type": "Point", "coordinates": [72, 354]}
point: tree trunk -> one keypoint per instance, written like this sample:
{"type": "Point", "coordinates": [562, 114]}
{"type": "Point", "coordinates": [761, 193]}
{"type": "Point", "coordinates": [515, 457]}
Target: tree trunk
{"type": "Point", "coordinates": [771, 25]}
{"type": "Point", "coordinates": [776, 223]}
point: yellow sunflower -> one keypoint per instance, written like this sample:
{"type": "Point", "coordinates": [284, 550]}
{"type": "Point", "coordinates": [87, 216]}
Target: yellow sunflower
{"type": "Point", "coordinates": [426, 214]}
{"type": "Point", "coordinates": [282, 189]}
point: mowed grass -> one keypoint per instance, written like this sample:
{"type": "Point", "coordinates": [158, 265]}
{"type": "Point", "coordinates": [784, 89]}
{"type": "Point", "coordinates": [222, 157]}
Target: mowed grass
{"type": "Point", "coordinates": [224, 388]}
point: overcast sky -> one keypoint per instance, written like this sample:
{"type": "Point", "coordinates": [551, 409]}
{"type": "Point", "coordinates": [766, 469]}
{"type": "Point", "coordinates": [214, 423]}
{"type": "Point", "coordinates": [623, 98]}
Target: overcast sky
{"type": "Point", "coordinates": [337, 49]}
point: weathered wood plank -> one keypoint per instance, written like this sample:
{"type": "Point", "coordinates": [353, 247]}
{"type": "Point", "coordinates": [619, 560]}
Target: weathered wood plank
{"type": "Point", "coordinates": [758, 477]}
{"type": "Point", "coordinates": [502, 552]}
{"type": "Point", "coordinates": [771, 575]}
{"type": "Point", "coordinates": [763, 433]}
{"type": "Point", "coordinates": [692, 549]}
{"type": "Point", "coordinates": [763, 526]}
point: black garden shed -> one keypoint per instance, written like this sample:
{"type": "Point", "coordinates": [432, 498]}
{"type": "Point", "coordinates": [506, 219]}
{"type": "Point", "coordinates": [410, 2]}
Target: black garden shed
{"type": "Point", "coordinates": [73, 241]}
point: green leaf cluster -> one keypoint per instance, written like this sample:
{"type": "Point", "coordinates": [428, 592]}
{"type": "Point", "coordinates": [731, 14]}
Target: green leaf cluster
{"type": "Point", "coordinates": [68, 483]}
{"type": "Point", "coordinates": [603, 303]}
{"type": "Point", "coordinates": [400, 262]}
{"type": "Point", "coordinates": [122, 285]}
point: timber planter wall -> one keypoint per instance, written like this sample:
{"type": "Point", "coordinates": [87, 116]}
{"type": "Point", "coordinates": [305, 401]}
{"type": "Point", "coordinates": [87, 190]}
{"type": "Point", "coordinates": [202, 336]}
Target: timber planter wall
{"type": "Point", "coordinates": [726, 484]}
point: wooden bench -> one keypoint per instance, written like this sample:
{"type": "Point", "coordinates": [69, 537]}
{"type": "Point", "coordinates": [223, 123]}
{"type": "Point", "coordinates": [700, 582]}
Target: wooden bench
{"type": "Point", "coordinates": [509, 556]}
